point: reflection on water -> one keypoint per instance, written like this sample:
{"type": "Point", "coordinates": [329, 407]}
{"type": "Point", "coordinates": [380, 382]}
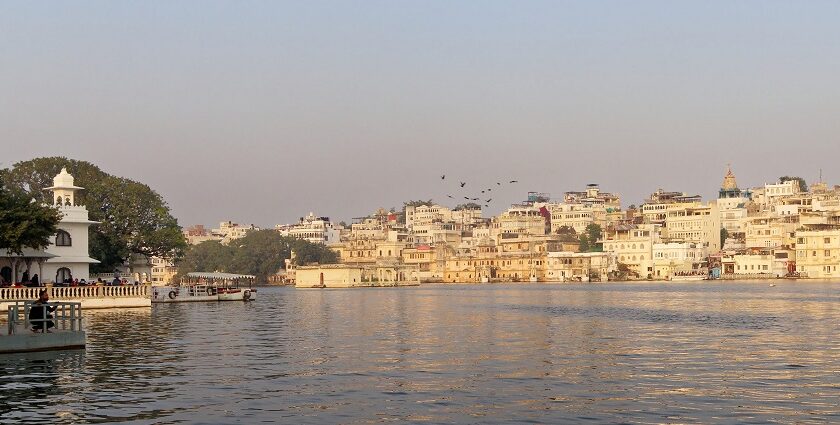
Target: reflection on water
{"type": "Point", "coordinates": [536, 353]}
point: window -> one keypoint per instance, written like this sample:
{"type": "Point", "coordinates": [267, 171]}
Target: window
{"type": "Point", "coordinates": [62, 238]}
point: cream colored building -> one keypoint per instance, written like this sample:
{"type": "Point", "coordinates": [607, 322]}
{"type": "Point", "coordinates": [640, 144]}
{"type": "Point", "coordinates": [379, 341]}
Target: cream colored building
{"type": "Point", "coordinates": [698, 224]}
{"type": "Point", "coordinates": [818, 253]}
{"type": "Point", "coordinates": [633, 246]}
{"type": "Point", "coordinates": [673, 258]}
{"type": "Point", "coordinates": [229, 231]}
{"type": "Point", "coordinates": [519, 220]}
{"type": "Point", "coordinates": [579, 266]}
{"type": "Point", "coordinates": [766, 231]}
{"type": "Point", "coordinates": [312, 228]}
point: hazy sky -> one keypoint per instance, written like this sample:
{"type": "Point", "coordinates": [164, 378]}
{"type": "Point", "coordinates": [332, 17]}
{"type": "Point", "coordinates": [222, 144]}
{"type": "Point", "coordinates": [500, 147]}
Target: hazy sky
{"type": "Point", "coordinates": [260, 112]}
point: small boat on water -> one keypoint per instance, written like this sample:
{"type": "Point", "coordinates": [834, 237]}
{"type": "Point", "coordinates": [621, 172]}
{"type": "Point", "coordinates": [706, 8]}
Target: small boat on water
{"type": "Point", "coordinates": [201, 286]}
{"type": "Point", "coordinates": [689, 278]}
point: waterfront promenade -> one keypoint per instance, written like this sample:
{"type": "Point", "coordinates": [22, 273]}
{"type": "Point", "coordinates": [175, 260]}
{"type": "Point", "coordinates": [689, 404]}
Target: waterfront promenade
{"type": "Point", "coordinates": [90, 297]}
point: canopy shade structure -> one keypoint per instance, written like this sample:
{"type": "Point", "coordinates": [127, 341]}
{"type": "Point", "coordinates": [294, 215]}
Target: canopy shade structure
{"type": "Point", "coordinates": [228, 276]}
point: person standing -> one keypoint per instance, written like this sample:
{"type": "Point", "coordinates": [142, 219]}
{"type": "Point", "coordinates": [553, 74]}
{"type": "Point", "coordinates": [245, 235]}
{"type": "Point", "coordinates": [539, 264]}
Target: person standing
{"type": "Point", "coordinates": [35, 280]}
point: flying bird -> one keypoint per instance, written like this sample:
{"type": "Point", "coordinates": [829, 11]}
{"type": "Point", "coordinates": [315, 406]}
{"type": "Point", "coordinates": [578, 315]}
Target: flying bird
{"type": "Point", "coordinates": [498, 183]}
{"type": "Point", "coordinates": [450, 196]}
{"type": "Point", "coordinates": [514, 181]}
{"type": "Point", "coordinates": [443, 177]}
{"type": "Point", "coordinates": [463, 184]}
{"type": "Point", "coordinates": [489, 190]}
{"type": "Point", "coordinates": [466, 198]}
{"type": "Point", "coordinates": [489, 200]}
{"type": "Point", "coordinates": [482, 191]}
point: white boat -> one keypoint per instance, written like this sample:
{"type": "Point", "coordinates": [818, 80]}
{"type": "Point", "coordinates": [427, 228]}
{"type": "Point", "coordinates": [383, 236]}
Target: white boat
{"type": "Point", "coordinates": [207, 287]}
{"type": "Point", "coordinates": [692, 278]}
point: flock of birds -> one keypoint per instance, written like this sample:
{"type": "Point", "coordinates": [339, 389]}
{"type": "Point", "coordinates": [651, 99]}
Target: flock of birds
{"type": "Point", "coordinates": [487, 191]}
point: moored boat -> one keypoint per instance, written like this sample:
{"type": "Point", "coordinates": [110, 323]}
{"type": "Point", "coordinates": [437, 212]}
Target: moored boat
{"type": "Point", "coordinates": [199, 286]}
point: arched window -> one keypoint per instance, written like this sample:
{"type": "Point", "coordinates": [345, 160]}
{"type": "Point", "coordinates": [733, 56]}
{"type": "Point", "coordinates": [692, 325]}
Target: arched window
{"type": "Point", "coordinates": [63, 275]}
{"type": "Point", "coordinates": [62, 238]}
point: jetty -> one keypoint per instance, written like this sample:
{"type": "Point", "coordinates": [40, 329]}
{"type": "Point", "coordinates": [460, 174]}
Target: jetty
{"type": "Point", "coordinates": [89, 297]}
{"type": "Point", "coordinates": [62, 331]}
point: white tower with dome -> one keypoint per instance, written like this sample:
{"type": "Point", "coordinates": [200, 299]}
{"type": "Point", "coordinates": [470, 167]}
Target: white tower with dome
{"type": "Point", "coordinates": [70, 244]}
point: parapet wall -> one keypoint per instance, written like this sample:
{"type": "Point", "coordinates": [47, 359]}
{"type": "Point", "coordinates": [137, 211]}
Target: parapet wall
{"type": "Point", "coordinates": [89, 296]}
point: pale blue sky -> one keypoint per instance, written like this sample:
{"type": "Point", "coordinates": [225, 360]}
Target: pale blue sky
{"type": "Point", "coordinates": [262, 111]}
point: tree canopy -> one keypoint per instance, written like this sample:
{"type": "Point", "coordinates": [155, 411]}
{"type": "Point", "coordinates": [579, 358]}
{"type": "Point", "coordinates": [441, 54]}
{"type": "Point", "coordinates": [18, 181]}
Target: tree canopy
{"type": "Point", "coordinates": [134, 219]}
{"type": "Point", "coordinates": [589, 238]}
{"type": "Point", "coordinates": [24, 222]}
{"type": "Point", "coordinates": [803, 186]}
{"type": "Point", "coordinates": [261, 253]}
{"type": "Point", "coordinates": [567, 234]}
{"type": "Point", "coordinates": [467, 206]}
{"type": "Point", "coordinates": [418, 203]}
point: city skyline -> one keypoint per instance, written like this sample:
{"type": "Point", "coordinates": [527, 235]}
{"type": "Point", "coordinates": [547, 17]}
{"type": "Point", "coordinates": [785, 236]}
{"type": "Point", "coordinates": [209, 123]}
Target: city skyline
{"type": "Point", "coordinates": [268, 111]}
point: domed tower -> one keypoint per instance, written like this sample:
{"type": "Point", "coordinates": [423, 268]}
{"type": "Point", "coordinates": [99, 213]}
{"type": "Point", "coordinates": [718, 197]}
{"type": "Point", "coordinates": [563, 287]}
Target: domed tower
{"type": "Point", "coordinates": [64, 191]}
{"type": "Point", "coordinates": [69, 247]}
{"type": "Point", "coordinates": [729, 189]}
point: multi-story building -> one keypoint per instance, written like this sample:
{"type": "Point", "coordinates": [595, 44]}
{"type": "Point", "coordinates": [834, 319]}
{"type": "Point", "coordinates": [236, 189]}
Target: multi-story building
{"type": "Point", "coordinates": [633, 246]}
{"type": "Point", "coordinates": [698, 224]}
{"type": "Point", "coordinates": [593, 196]}
{"type": "Point", "coordinates": [521, 220]}
{"type": "Point", "coordinates": [673, 258]}
{"type": "Point", "coordinates": [198, 233]}
{"type": "Point", "coordinates": [768, 231]}
{"type": "Point", "coordinates": [660, 203]}
{"type": "Point", "coordinates": [313, 229]}
{"type": "Point", "coordinates": [566, 266]}
{"type": "Point", "coordinates": [818, 252]}
{"type": "Point", "coordinates": [229, 230]}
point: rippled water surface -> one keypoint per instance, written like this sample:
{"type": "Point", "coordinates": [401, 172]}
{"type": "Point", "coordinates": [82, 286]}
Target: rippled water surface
{"type": "Point", "coordinates": [534, 353]}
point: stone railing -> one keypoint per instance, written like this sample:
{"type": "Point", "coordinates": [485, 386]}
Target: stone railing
{"type": "Point", "coordinates": [76, 292]}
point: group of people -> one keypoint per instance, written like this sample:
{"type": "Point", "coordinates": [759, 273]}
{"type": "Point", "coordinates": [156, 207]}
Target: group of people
{"type": "Point", "coordinates": [26, 282]}
{"type": "Point", "coordinates": [35, 282]}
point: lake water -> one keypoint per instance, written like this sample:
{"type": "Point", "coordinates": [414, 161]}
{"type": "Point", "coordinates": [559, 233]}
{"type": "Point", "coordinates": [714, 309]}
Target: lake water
{"type": "Point", "coordinates": [519, 353]}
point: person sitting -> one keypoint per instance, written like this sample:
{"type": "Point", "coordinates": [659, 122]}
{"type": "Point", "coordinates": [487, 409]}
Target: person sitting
{"type": "Point", "coordinates": [35, 281]}
{"type": "Point", "coordinates": [116, 281]}
{"type": "Point", "coordinates": [40, 311]}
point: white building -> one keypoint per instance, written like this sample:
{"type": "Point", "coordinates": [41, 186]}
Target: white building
{"type": "Point", "coordinates": [313, 229]}
{"type": "Point", "coordinates": [67, 256]}
{"type": "Point", "coordinates": [228, 231]}
{"type": "Point", "coordinates": [70, 244]}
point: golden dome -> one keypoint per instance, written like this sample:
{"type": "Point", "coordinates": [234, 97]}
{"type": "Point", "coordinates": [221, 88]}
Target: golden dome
{"type": "Point", "coordinates": [729, 180]}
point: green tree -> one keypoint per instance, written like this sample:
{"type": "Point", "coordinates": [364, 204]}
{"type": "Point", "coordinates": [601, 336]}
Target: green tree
{"type": "Point", "coordinates": [567, 234]}
{"type": "Point", "coordinates": [467, 206]}
{"type": "Point", "coordinates": [417, 203]}
{"type": "Point", "coordinates": [24, 222]}
{"type": "Point", "coordinates": [803, 186]}
{"type": "Point", "coordinates": [134, 219]}
{"type": "Point", "coordinates": [307, 253]}
{"type": "Point", "coordinates": [723, 235]}
{"type": "Point", "coordinates": [261, 253]}
{"type": "Point", "coordinates": [590, 237]}
{"type": "Point", "coordinates": [208, 256]}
